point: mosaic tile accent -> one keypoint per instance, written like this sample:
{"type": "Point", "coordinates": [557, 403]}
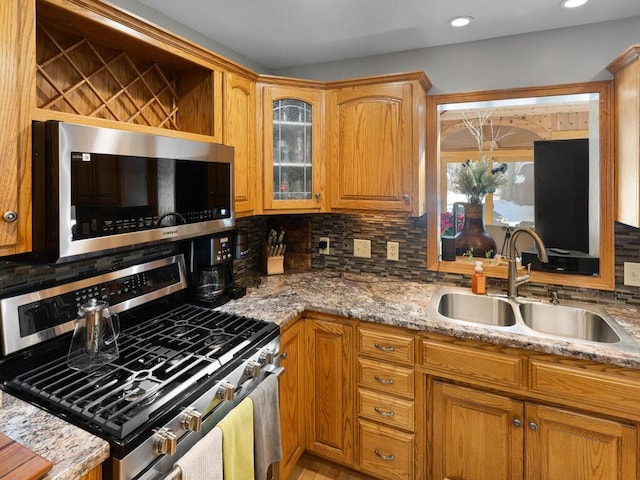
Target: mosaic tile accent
{"type": "Point", "coordinates": [410, 233]}
{"type": "Point", "coordinates": [341, 229]}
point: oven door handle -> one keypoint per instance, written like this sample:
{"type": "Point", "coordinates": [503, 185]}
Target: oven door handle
{"type": "Point", "coordinates": [276, 371]}
{"type": "Point", "coordinates": [174, 474]}
{"type": "Point", "coordinates": [176, 471]}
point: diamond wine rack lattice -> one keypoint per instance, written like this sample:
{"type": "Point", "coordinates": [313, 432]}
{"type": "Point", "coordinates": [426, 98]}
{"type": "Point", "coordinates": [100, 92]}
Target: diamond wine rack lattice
{"type": "Point", "coordinates": [80, 76]}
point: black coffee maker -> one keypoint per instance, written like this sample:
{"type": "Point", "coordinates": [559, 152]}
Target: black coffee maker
{"type": "Point", "coordinates": [211, 266]}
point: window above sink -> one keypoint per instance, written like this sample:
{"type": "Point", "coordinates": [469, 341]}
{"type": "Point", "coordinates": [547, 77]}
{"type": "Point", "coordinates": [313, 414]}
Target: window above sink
{"type": "Point", "coordinates": [519, 113]}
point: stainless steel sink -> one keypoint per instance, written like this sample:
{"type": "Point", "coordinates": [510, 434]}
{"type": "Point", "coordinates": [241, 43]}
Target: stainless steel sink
{"type": "Point", "coordinates": [570, 322]}
{"type": "Point", "coordinates": [477, 309]}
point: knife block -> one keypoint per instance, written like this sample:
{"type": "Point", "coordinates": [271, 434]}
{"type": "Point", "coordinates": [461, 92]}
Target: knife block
{"type": "Point", "coordinates": [274, 264]}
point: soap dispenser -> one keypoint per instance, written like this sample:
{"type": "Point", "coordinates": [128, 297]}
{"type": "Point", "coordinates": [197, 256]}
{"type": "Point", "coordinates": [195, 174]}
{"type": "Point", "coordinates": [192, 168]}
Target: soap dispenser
{"type": "Point", "coordinates": [478, 280]}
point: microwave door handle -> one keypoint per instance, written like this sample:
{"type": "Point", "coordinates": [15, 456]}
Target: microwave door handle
{"type": "Point", "coordinates": [171, 214]}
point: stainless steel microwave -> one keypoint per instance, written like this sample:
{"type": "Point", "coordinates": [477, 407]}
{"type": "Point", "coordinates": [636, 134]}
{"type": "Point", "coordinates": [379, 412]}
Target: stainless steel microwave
{"type": "Point", "coordinates": [96, 189]}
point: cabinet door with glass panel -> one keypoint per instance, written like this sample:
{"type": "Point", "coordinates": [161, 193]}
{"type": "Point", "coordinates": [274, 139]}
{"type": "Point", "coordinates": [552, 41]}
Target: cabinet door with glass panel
{"type": "Point", "coordinates": [293, 120]}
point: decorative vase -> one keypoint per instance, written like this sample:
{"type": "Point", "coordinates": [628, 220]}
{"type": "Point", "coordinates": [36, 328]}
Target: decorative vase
{"type": "Point", "coordinates": [473, 235]}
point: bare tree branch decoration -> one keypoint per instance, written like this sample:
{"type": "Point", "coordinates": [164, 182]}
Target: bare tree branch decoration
{"type": "Point", "coordinates": [477, 178]}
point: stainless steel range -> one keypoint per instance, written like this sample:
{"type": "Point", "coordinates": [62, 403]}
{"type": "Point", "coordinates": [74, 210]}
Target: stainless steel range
{"type": "Point", "coordinates": [181, 367]}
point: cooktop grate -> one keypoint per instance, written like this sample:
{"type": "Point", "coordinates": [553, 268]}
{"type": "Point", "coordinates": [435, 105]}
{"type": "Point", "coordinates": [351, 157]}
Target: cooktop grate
{"type": "Point", "coordinates": [161, 360]}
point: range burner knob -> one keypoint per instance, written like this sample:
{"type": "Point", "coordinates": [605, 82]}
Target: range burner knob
{"type": "Point", "coordinates": [253, 369]}
{"type": "Point", "coordinates": [191, 420]}
{"type": "Point", "coordinates": [164, 442]}
{"type": "Point", "coordinates": [267, 357]}
{"type": "Point", "coordinates": [226, 391]}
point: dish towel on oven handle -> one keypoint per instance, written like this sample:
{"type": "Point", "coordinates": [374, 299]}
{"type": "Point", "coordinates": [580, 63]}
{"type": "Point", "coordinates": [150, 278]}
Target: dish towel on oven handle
{"type": "Point", "coordinates": [203, 461]}
{"type": "Point", "coordinates": [266, 425]}
{"type": "Point", "coordinates": [237, 442]}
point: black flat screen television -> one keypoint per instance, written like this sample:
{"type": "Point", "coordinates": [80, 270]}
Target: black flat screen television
{"type": "Point", "coordinates": [561, 190]}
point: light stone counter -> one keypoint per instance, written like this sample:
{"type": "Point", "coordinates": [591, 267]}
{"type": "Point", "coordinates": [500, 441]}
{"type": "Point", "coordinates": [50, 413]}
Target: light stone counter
{"type": "Point", "coordinates": [72, 451]}
{"type": "Point", "coordinates": [281, 298]}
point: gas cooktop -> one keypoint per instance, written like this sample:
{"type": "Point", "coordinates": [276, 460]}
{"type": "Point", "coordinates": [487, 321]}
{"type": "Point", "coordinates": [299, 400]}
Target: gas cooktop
{"type": "Point", "coordinates": [161, 361]}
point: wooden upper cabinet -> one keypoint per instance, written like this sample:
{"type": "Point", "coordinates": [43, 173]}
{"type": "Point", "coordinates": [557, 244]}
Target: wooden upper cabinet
{"type": "Point", "coordinates": [377, 141]}
{"type": "Point", "coordinates": [626, 71]}
{"type": "Point", "coordinates": [140, 78]}
{"type": "Point", "coordinates": [17, 35]}
{"type": "Point", "coordinates": [292, 148]}
{"type": "Point", "coordinates": [240, 132]}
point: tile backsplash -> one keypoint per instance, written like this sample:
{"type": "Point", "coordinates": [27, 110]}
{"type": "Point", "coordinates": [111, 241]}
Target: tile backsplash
{"type": "Point", "coordinates": [409, 233]}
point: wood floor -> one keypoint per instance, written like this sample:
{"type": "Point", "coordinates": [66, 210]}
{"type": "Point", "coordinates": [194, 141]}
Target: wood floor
{"type": "Point", "coordinates": [313, 468]}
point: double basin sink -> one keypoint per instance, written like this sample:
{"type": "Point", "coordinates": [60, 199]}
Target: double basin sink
{"type": "Point", "coordinates": [567, 322]}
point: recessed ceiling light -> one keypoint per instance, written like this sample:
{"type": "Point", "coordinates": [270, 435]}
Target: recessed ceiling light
{"type": "Point", "coordinates": [460, 21]}
{"type": "Point", "coordinates": [573, 3]}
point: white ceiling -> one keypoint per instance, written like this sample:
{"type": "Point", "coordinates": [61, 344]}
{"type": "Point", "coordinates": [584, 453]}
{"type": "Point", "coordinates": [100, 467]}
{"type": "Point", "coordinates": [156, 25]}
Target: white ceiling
{"type": "Point", "coordinates": [289, 33]}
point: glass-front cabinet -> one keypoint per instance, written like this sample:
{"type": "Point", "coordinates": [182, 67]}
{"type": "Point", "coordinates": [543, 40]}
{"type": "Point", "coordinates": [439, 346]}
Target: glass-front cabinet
{"type": "Point", "coordinates": [293, 131]}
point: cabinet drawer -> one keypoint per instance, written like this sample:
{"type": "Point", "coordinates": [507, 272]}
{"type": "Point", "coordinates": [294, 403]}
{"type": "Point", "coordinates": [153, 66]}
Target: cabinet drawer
{"type": "Point", "coordinates": [386, 409]}
{"type": "Point", "coordinates": [386, 453]}
{"type": "Point", "coordinates": [385, 378]}
{"type": "Point", "coordinates": [388, 346]}
{"type": "Point", "coordinates": [474, 364]}
{"type": "Point", "coordinates": [608, 388]}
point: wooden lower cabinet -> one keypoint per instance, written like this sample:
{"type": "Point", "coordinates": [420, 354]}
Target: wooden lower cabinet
{"type": "Point", "coordinates": [385, 452]}
{"type": "Point", "coordinates": [473, 435]}
{"type": "Point", "coordinates": [564, 444]}
{"type": "Point", "coordinates": [330, 389]}
{"type": "Point", "coordinates": [485, 436]}
{"type": "Point", "coordinates": [292, 386]}
{"type": "Point", "coordinates": [95, 474]}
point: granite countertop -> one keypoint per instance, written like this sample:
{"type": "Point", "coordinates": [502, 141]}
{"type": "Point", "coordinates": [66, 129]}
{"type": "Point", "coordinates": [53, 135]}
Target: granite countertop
{"type": "Point", "coordinates": [72, 451]}
{"type": "Point", "coordinates": [281, 299]}
{"type": "Point", "coordinates": [402, 303]}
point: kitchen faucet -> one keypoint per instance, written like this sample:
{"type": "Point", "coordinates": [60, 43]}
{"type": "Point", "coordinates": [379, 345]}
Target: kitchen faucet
{"type": "Point", "coordinates": [513, 279]}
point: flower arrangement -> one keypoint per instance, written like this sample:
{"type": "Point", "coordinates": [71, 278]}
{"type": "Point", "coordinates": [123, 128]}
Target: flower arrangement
{"type": "Point", "coordinates": [477, 178]}
{"type": "Point", "coordinates": [446, 223]}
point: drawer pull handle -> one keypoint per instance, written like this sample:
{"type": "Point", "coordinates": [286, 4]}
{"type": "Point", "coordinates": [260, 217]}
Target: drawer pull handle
{"type": "Point", "coordinates": [390, 348]}
{"type": "Point", "coordinates": [384, 457]}
{"type": "Point", "coordinates": [383, 381]}
{"type": "Point", "coordinates": [384, 413]}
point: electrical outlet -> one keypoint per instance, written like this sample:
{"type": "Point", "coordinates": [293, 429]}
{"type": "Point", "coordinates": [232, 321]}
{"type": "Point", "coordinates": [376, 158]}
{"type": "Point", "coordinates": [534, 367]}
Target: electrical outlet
{"type": "Point", "coordinates": [325, 250]}
{"type": "Point", "coordinates": [361, 248]}
{"type": "Point", "coordinates": [632, 274]}
{"type": "Point", "coordinates": [393, 251]}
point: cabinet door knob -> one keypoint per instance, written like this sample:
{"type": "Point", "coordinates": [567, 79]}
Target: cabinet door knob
{"type": "Point", "coordinates": [317, 195]}
{"type": "Point", "coordinates": [517, 423]}
{"type": "Point", "coordinates": [405, 197]}
{"type": "Point", "coordinates": [284, 355]}
{"type": "Point", "coordinates": [533, 426]}
{"type": "Point", "coordinates": [10, 216]}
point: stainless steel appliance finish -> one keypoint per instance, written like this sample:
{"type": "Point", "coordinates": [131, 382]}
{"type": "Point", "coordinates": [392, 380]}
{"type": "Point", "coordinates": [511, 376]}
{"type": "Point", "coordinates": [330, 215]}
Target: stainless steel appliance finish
{"type": "Point", "coordinates": [35, 317]}
{"type": "Point", "coordinates": [182, 367]}
{"type": "Point", "coordinates": [115, 188]}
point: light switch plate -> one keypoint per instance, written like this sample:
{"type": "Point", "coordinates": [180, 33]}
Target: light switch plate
{"type": "Point", "coordinates": [632, 274]}
{"type": "Point", "coordinates": [361, 248]}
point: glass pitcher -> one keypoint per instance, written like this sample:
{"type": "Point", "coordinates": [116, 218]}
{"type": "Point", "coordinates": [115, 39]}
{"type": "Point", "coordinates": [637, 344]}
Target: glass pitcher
{"type": "Point", "coordinates": [94, 337]}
